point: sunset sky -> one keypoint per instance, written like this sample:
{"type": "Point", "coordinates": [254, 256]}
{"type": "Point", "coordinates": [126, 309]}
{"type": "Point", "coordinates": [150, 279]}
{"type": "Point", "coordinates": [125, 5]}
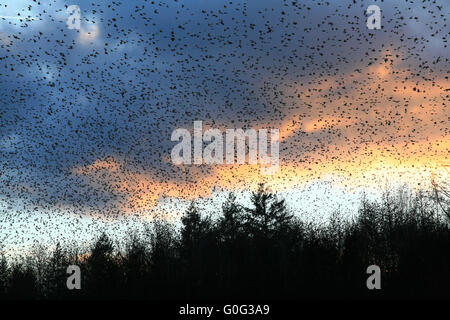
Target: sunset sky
{"type": "Point", "coordinates": [86, 116]}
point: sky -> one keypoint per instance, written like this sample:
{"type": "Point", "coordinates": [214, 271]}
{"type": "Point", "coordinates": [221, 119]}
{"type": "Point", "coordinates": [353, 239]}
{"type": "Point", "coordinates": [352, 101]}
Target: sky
{"type": "Point", "coordinates": [86, 115]}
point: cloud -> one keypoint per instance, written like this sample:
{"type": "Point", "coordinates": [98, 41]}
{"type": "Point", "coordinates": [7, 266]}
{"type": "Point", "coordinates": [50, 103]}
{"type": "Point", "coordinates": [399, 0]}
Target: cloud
{"type": "Point", "coordinates": [365, 127]}
{"type": "Point", "coordinates": [348, 104]}
{"type": "Point", "coordinates": [89, 35]}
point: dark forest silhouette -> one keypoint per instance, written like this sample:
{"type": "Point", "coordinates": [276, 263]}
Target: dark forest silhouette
{"type": "Point", "coordinates": [262, 251]}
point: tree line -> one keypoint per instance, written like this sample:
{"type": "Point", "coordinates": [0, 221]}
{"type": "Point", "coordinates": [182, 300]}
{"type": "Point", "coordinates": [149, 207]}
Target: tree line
{"type": "Point", "coordinates": [263, 251]}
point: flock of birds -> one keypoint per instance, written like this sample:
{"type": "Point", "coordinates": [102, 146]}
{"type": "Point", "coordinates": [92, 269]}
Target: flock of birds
{"type": "Point", "coordinates": [111, 93]}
